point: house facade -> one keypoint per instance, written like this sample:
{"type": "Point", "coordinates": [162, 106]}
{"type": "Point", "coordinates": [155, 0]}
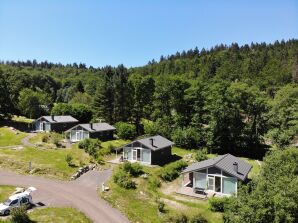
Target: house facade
{"type": "Point", "coordinates": [102, 131]}
{"type": "Point", "coordinates": [218, 176]}
{"type": "Point", "coordinates": [54, 123]}
{"type": "Point", "coordinates": [155, 150]}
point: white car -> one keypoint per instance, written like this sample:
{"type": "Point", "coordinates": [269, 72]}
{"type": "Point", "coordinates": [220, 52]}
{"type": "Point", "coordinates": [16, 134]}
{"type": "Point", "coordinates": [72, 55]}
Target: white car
{"type": "Point", "coordinates": [17, 200]}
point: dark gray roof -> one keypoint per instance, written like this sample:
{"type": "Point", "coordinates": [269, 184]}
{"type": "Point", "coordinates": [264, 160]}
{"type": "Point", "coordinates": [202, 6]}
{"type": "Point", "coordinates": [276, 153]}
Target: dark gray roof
{"type": "Point", "coordinates": [59, 118]}
{"type": "Point", "coordinates": [225, 163]}
{"type": "Point", "coordinates": [159, 142]}
{"type": "Point", "coordinates": [96, 127]}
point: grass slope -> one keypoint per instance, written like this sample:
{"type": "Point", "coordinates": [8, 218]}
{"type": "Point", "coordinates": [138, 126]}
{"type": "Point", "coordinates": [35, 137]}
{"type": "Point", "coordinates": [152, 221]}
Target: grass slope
{"type": "Point", "coordinates": [49, 162]}
{"type": "Point", "coordinates": [9, 137]}
{"type": "Point", "coordinates": [140, 205]}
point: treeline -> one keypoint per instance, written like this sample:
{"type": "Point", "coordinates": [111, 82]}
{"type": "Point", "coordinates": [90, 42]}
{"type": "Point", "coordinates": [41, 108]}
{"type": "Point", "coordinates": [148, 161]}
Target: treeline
{"type": "Point", "coordinates": [232, 98]}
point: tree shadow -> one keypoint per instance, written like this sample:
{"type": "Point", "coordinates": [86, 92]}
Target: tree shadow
{"type": "Point", "coordinates": [21, 126]}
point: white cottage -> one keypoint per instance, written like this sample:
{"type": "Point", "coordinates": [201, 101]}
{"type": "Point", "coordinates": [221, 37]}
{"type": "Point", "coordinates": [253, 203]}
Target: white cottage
{"type": "Point", "coordinates": [219, 175]}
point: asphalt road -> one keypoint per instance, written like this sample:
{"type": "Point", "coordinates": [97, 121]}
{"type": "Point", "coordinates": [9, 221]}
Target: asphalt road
{"type": "Point", "coordinates": [80, 194]}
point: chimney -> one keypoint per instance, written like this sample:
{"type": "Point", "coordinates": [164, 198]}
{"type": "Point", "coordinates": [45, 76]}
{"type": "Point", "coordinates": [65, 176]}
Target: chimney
{"type": "Point", "coordinates": [235, 166]}
{"type": "Point", "coordinates": [91, 125]}
{"type": "Point", "coordinates": [151, 139]}
{"type": "Point", "coordinates": [53, 117]}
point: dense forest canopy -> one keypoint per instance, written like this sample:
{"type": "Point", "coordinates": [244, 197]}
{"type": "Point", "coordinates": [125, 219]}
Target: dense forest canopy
{"type": "Point", "coordinates": [230, 98]}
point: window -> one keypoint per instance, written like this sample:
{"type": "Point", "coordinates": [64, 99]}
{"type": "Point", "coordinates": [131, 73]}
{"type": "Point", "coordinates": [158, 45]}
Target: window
{"type": "Point", "coordinates": [24, 200]}
{"type": "Point", "coordinates": [14, 202]}
{"type": "Point", "coordinates": [229, 185]}
{"type": "Point", "coordinates": [200, 180]}
{"type": "Point", "coordinates": [214, 170]}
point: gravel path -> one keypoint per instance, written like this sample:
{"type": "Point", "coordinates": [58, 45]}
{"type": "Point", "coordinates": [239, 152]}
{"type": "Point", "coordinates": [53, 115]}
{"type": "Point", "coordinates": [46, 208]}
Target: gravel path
{"type": "Point", "coordinates": [80, 194]}
{"type": "Point", "coordinates": [25, 141]}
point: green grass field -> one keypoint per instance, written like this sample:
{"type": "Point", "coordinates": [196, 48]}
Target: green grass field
{"type": "Point", "coordinates": [48, 162]}
{"type": "Point", "coordinates": [10, 137]}
{"type": "Point", "coordinates": [61, 215]}
{"type": "Point", "coordinates": [5, 191]}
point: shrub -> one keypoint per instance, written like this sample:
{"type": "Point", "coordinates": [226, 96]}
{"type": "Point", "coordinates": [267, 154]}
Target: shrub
{"type": "Point", "coordinates": [125, 130]}
{"type": "Point", "coordinates": [154, 183]}
{"type": "Point", "coordinates": [123, 179]}
{"type": "Point", "coordinates": [91, 146]}
{"type": "Point", "coordinates": [160, 205]}
{"type": "Point", "coordinates": [218, 203]}
{"type": "Point", "coordinates": [197, 218]}
{"type": "Point", "coordinates": [45, 138]}
{"type": "Point", "coordinates": [172, 170]}
{"type": "Point", "coordinates": [177, 218]}
{"type": "Point", "coordinates": [135, 169]}
{"type": "Point", "coordinates": [100, 160]}
{"type": "Point", "coordinates": [106, 150]}
{"type": "Point", "coordinates": [19, 215]}
{"type": "Point", "coordinates": [201, 154]}
{"type": "Point", "coordinates": [69, 159]}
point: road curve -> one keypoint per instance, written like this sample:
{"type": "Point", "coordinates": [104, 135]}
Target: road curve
{"type": "Point", "coordinates": [80, 194]}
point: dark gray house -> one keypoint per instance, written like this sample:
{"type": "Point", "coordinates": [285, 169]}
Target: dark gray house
{"type": "Point", "coordinates": [153, 150]}
{"type": "Point", "coordinates": [57, 123]}
{"type": "Point", "coordinates": [102, 131]}
{"type": "Point", "coordinates": [219, 175]}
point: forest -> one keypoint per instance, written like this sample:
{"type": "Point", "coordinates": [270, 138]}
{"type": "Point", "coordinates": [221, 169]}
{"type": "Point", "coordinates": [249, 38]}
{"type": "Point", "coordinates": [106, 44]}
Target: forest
{"type": "Point", "coordinates": [237, 99]}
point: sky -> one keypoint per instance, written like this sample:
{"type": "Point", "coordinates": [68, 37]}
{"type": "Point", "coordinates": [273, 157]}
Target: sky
{"type": "Point", "coordinates": [132, 32]}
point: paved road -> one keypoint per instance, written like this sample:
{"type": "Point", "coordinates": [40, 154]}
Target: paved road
{"type": "Point", "coordinates": [80, 194]}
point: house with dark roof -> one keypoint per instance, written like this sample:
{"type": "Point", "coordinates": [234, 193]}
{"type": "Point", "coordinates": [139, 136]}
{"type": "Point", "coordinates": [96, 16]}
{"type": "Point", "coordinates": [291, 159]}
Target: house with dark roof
{"type": "Point", "coordinates": [57, 123]}
{"type": "Point", "coordinates": [102, 131]}
{"type": "Point", "coordinates": [154, 150]}
{"type": "Point", "coordinates": [217, 176]}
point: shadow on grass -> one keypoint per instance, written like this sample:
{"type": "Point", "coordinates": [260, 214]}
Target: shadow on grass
{"type": "Point", "coordinates": [173, 158]}
{"type": "Point", "coordinates": [21, 126]}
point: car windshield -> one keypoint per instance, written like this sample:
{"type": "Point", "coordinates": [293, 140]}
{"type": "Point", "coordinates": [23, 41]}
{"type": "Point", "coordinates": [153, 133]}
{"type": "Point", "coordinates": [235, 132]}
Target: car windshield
{"type": "Point", "coordinates": [7, 202]}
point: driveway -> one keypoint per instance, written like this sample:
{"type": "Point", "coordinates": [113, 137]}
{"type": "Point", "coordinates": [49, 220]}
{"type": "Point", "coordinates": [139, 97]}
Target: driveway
{"type": "Point", "coordinates": [80, 194]}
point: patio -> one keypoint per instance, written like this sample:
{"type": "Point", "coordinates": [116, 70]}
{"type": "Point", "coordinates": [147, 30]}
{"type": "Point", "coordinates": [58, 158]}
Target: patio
{"type": "Point", "coordinates": [188, 191]}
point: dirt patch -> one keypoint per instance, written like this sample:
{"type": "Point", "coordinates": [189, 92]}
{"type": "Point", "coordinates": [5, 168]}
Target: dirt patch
{"type": "Point", "coordinates": [170, 188]}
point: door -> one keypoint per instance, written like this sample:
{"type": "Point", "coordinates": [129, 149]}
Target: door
{"type": "Point", "coordinates": [134, 155]}
{"type": "Point", "coordinates": [78, 136]}
{"type": "Point", "coordinates": [138, 154]}
{"type": "Point", "coordinates": [217, 184]}
{"type": "Point", "coordinates": [211, 183]}
{"type": "Point", "coordinates": [41, 126]}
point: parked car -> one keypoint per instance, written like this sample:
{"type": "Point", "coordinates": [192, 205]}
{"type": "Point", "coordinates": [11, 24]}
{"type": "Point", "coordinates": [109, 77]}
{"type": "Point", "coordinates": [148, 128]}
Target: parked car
{"type": "Point", "coordinates": [17, 200]}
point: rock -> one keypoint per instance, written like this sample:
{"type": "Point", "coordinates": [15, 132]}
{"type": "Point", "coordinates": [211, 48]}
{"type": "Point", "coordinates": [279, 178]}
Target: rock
{"type": "Point", "coordinates": [145, 175]}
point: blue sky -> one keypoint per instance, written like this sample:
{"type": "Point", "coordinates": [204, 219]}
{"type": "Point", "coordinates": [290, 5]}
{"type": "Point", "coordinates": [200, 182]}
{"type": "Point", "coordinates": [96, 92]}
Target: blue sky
{"type": "Point", "coordinates": [132, 32]}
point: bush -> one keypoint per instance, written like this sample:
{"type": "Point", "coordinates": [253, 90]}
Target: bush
{"type": "Point", "coordinates": [123, 179]}
{"type": "Point", "coordinates": [91, 146]}
{"type": "Point", "coordinates": [198, 218]}
{"type": "Point", "coordinates": [154, 183]}
{"type": "Point", "coordinates": [125, 130]}
{"type": "Point", "coordinates": [69, 159]}
{"type": "Point", "coordinates": [19, 215]}
{"type": "Point", "coordinates": [45, 138]}
{"type": "Point", "coordinates": [106, 150]}
{"type": "Point", "coordinates": [135, 169]}
{"type": "Point", "coordinates": [177, 218]}
{"type": "Point", "coordinates": [218, 203]}
{"type": "Point", "coordinates": [201, 154]}
{"type": "Point", "coordinates": [172, 170]}
{"type": "Point", "coordinates": [160, 206]}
